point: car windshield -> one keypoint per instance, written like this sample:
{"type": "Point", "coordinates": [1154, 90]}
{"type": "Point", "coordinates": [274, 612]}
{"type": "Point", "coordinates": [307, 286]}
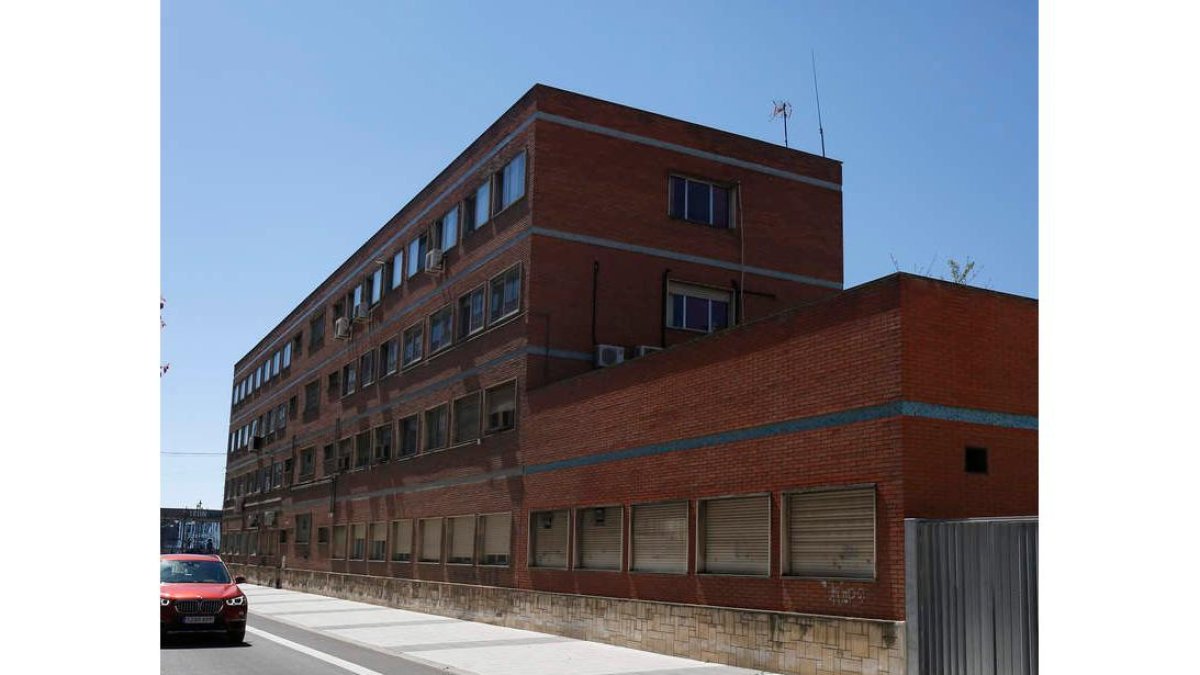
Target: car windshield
{"type": "Point", "coordinates": [193, 572]}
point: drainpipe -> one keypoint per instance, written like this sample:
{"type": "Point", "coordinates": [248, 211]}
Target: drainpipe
{"type": "Point", "coordinates": [662, 315]}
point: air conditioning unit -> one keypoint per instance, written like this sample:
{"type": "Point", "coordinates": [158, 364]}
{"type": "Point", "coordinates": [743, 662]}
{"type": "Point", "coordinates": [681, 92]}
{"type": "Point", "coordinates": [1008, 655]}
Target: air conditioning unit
{"type": "Point", "coordinates": [341, 328]}
{"type": "Point", "coordinates": [362, 311]}
{"type": "Point", "coordinates": [502, 419]}
{"type": "Point", "coordinates": [609, 355]}
{"type": "Point", "coordinates": [643, 350]}
{"type": "Point", "coordinates": [433, 260]}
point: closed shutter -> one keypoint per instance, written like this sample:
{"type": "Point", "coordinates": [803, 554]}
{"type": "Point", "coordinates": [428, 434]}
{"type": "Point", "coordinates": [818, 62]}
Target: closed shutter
{"type": "Point", "coordinates": [660, 535]}
{"type": "Point", "coordinates": [462, 539]}
{"type": "Point", "coordinates": [600, 538]}
{"type": "Point", "coordinates": [497, 533]}
{"type": "Point", "coordinates": [431, 540]}
{"type": "Point", "coordinates": [549, 529]}
{"type": "Point", "coordinates": [832, 533]}
{"type": "Point", "coordinates": [737, 535]}
{"type": "Point", "coordinates": [402, 540]}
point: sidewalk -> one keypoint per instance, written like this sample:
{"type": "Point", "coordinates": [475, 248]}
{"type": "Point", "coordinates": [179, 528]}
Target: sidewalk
{"type": "Point", "coordinates": [465, 647]}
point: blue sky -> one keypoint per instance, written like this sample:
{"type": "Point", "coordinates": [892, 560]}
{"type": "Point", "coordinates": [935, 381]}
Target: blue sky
{"type": "Point", "coordinates": [292, 131]}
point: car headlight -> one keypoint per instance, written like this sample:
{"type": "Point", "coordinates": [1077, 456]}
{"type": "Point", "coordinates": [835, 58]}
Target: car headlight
{"type": "Point", "coordinates": [163, 602]}
{"type": "Point", "coordinates": [236, 602]}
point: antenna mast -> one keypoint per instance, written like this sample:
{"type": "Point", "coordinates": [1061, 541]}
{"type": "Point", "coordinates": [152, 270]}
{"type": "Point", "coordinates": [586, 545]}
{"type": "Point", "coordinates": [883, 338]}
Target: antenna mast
{"type": "Point", "coordinates": [782, 109]}
{"type": "Point", "coordinates": [820, 126]}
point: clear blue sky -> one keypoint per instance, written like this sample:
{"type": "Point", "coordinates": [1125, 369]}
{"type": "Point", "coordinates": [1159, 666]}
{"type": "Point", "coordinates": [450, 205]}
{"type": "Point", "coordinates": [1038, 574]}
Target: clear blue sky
{"type": "Point", "coordinates": [291, 131]}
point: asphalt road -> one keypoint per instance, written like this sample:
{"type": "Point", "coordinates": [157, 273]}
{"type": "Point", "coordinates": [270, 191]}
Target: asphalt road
{"type": "Point", "coordinates": [301, 652]}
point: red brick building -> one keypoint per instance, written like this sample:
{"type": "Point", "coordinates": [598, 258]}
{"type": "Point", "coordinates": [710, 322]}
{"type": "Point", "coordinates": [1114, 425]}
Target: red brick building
{"type": "Point", "coordinates": [451, 404]}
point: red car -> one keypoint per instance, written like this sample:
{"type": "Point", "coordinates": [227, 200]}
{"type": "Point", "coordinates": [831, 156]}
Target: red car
{"type": "Point", "coordinates": [197, 595]}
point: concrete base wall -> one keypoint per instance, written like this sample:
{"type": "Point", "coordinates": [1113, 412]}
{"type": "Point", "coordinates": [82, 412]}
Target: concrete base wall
{"type": "Point", "coordinates": [773, 641]}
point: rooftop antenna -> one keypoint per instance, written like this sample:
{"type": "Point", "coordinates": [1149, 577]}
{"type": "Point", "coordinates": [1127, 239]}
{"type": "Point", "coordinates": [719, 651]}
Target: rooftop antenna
{"type": "Point", "coordinates": [820, 126]}
{"type": "Point", "coordinates": [782, 109]}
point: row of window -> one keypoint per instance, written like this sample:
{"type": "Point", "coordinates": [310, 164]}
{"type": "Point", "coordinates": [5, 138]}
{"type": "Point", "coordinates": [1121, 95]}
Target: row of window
{"type": "Point", "coordinates": [274, 366]}
{"type": "Point", "coordinates": [266, 427]}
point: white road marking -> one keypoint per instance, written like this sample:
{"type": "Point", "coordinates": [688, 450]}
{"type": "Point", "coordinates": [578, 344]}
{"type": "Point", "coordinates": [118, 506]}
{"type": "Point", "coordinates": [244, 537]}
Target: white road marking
{"type": "Point", "coordinates": [327, 658]}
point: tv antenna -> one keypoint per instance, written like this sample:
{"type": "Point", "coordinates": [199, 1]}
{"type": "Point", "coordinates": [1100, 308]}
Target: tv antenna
{"type": "Point", "coordinates": [782, 109]}
{"type": "Point", "coordinates": [820, 126]}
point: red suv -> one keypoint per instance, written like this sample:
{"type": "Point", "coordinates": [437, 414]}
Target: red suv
{"type": "Point", "coordinates": [196, 595]}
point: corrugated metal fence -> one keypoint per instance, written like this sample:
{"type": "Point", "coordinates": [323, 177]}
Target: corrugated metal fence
{"type": "Point", "coordinates": [971, 594]}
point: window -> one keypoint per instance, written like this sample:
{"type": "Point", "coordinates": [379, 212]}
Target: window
{"type": "Point", "coordinates": [548, 531]}
{"type": "Point", "coordinates": [257, 378]}
{"type": "Point", "coordinates": [345, 453]}
{"type": "Point", "coordinates": [349, 374]}
{"type": "Point", "coordinates": [334, 383]}
{"type": "Point", "coordinates": [377, 285]}
{"type": "Point", "coordinates": [448, 228]}
{"type": "Point", "coordinates": [291, 408]}
{"type": "Point", "coordinates": [466, 418]}
{"type": "Point", "coordinates": [697, 308]}
{"type": "Point", "coordinates": [417, 248]}
{"type": "Point", "coordinates": [436, 427]}
{"type": "Point", "coordinates": [441, 331]}
{"type": "Point", "coordinates": [358, 541]}
{"type": "Point", "coordinates": [397, 269]}
{"type": "Point", "coordinates": [414, 342]}
{"type": "Point", "coordinates": [460, 535]}
{"type": "Point", "coordinates": [431, 540]}
{"type": "Point", "coordinates": [328, 460]}
{"type": "Point", "coordinates": [297, 342]}
{"type": "Point", "coordinates": [497, 534]}
{"type": "Point", "coordinates": [383, 443]}
{"type": "Point", "coordinates": [510, 183]}
{"type": "Point", "coordinates": [322, 535]}
{"type": "Point", "coordinates": [735, 535]}
{"type": "Point", "coordinates": [402, 540]}
{"type": "Point", "coordinates": [699, 202]}
{"type": "Point", "coordinates": [483, 202]}
{"type": "Point", "coordinates": [501, 402]}
{"type": "Point", "coordinates": [358, 296]}
{"type": "Point", "coordinates": [506, 294]}
{"type": "Point", "coordinates": [975, 460]}
{"type": "Point", "coordinates": [389, 356]}
{"type": "Point", "coordinates": [660, 537]}
{"type": "Point", "coordinates": [303, 528]}
{"type": "Point", "coordinates": [598, 538]}
{"type": "Point", "coordinates": [378, 542]}
{"type": "Point", "coordinates": [470, 313]}
{"type": "Point", "coordinates": [831, 533]}
{"type": "Point", "coordinates": [409, 435]}
{"type": "Point", "coordinates": [275, 361]}
{"type": "Point", "coordinates": [468, 215]}
{"type": "Point", "coordinates": [339, 542]}
{"type": "Point", "coordinates": [287, 355]}
{"type": "Point", "coordinates": [308, 462]}
{"type": "Point", "coordinates": [366, 368]}
{"type": "Point", "coordinates": [362, 449]}
{"type": "Point", "coordinates": [312, 397]}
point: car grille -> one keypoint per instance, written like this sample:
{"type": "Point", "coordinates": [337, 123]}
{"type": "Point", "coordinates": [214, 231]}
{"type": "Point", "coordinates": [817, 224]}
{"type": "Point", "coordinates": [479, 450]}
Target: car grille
{"type": "Point", "coordinates": [198, 606]}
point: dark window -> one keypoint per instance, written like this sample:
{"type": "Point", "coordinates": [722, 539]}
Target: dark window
{"type": "Point", "coordinates": [417, 248]}
{"type": "Point", "coordinates": [470, 313]}
{"type": "Point", "coordinates": [410, 436]}
{"type": "Point", "coordinates": [389, 356]}
{"type": "Point", "coordinates": [466, 418]}
{"type": "Point", "coordinates": [699, 201]}
{"type": "Point", "coordinates": [334, 383]}
{"type": "Point", "coordinates": [312, 396]}
{"type": "Point", "coordinates": [308, 463]}
{"type": "Point", "coordinates": [303, 528]}
{"type": "Point", "coordinates": [366, 370]}
{"type": "Point", "coordinates": [468, 214]}
{"type": "Point", "coordinates": [506, 294]}
{"type": "Point", "coordinates": [436, 427]}
{"type": "Point", "coordinates": [383, 443]}
{"type": "Point", "coordinates": [440, 329]}
{"type": "Point", "coordinates": [976, 460]}
{"type": "Point", "coordinates": [362, 449]}
{"type": "Point", "coordinates": [501, 403]}
{"type": "Point", "coordinates": [296, 343]}
{"type": "Point", "coordinates": [349, 379]}
{"type": "Point", "coordinates": [698, 308]}
{"type": "Point", "coordinates": [414, 342]}
{"type": "Point", "coordinates": [328, 460]}
{"type": "Point", "coordinates": [322, 535]}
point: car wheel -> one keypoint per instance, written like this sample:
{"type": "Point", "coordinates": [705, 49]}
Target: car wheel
{"type": "Point", "coordinates": [237, 635]}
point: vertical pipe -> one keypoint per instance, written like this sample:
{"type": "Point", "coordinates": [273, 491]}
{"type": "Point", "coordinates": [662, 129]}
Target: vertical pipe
{"type": "Point", "coordinates": [662, 315]}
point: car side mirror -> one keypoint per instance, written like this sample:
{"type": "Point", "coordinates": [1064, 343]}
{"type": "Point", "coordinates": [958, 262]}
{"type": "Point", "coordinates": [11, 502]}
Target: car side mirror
{"type": "Point", "coordinates": [239, 580]}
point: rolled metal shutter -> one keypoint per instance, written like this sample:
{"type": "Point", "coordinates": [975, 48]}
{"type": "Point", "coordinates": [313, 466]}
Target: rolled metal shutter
{"type": "Point", "coordinates": [600, 538]}
{"type": "Point", "coordinates": [462, 539]}
{"type": "Point", "coordinates": [832, 533]}
{"type": "Point", "coordinates": [550, 529]}
{"type": "Point", "coordinates": [431, 540]}
{"type": "Point", "coordinates": [737, 535]}
{"type": "Point", "coordinates": [660, 536]}
{"type": "Point", "coordinates": [402, 540]}
{"type": "Point", "coordinates": [497, 530]}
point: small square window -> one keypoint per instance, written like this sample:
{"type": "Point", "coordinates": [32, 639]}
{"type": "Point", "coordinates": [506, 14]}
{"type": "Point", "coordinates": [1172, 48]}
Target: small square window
{"type": "Point", "coordinates": [976, 460]}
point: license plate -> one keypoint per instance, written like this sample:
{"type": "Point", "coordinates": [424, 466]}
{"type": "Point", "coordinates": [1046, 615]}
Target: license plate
{"type": "Point", "coordinates": [199, 619]}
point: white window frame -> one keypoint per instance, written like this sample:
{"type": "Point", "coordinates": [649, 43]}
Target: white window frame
{"type": "Point", "coordinates": [709, 293]}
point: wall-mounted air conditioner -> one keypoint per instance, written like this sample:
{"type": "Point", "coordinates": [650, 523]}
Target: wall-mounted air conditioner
{"type": "Point", "coordinates": [609, 355]}
{"type": "Point", "coordinates": [643, 350]}
{"type": "Point", "coordinates": [362, 311]}
{"type": "Point", "coordinates": [501, 420]}
{"type": "Point", "coordinates": [433, 260]}
{"type": "Point", "coordinates": [341, 328]}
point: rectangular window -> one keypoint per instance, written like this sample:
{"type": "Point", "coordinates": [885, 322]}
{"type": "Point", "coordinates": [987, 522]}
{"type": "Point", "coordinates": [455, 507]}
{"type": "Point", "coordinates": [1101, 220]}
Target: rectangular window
{"type": "Point", "coordinates": [470, 313]}
{"type": "Point", "coordinates": [660, 538]}
{"type": "Point", "coordinates": [466, 418]}
{"type": "Point", "coordinates": [366, 368]}
{"type": "Point", "coordinates": [414, 343]}
{"type": "Point", "coordinates": [501, 405]}
{"type": "Point", "coordinates": [436, 426]}
{"type": "Point", "coordinates": [358, 541]}
{"type": "Point", "coordinates": [598, 538]}
{"type": "Point", "coordinates": [402, 540]}
{"type": "Point", "coordinates": [448, 227]}
{"type": "Point", "coordinates": [322, 535]}
{"type": "Point", "coordinates": [735, 535]}
{"type": "Point", "coordinates": [441, 331]}
{"type": "Point", "coordinates": [308, 462]}
{"type": "Point", "coordinates": [275, 362]}
{"type": "Point", "coordinates": [303, 528]}
{"type": "Point", "coordinates": [831, 533]}
{"type": "Point", "coordinates": [497, 535]}
{"type": "Point", "coordinates": [460, 535]}
{"type": "Point", "coordinates": [417, 248]}
{"type": "Point", "coordinates": [483, 202]}
{"type": "Point", "coordinates": [378, 549]}
{"type": "Point", "coordinates": [339, 542]}
{"type": "Point", "coordinates": [506, 294]}
{"type": "Point", "coordinates": [699, 202]}
{"type": "Point", "coordinates": [468, 215]}
{"type": "Point", "coordinates": [358, 297]}
{"type": "Point", "coordinates": [377, 285]}
{"type": "Point", "coordinates": [697, 307]}
{"type": "Point", "coordinates": [333, 384]}
{"type": "Point", "coordinates": [349, 379]}
{"type": "Point", "coordinates": [389, 356]}
{"type": "Point", "coordinates": [312, 397]}
{"type": "Point", "coordinates": [398, 269]}
{"type": "Point", "coordinates": [510, 182]}
{"type": "Point", "coordinates": [345, 453]}
{"type": "Point", "coordinates": [548, 531]}
{"type": "Point", "coordinates": [287, 356]}
{"type": "Point", "coordinates": [409, 435]}
{"type": "Point", "coordinates": [383, 443]}
{"type": "Point", "coordinates": [328, 460]}
{"type": "Point", "coordinates": [362, 449]}
{"type": "Point", "coordinates": [431, 540]}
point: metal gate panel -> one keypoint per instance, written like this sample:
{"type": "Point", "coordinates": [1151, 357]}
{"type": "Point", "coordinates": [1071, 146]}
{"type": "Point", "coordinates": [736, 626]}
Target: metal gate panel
{"type": "Point", "coordinates": [971, 595]}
